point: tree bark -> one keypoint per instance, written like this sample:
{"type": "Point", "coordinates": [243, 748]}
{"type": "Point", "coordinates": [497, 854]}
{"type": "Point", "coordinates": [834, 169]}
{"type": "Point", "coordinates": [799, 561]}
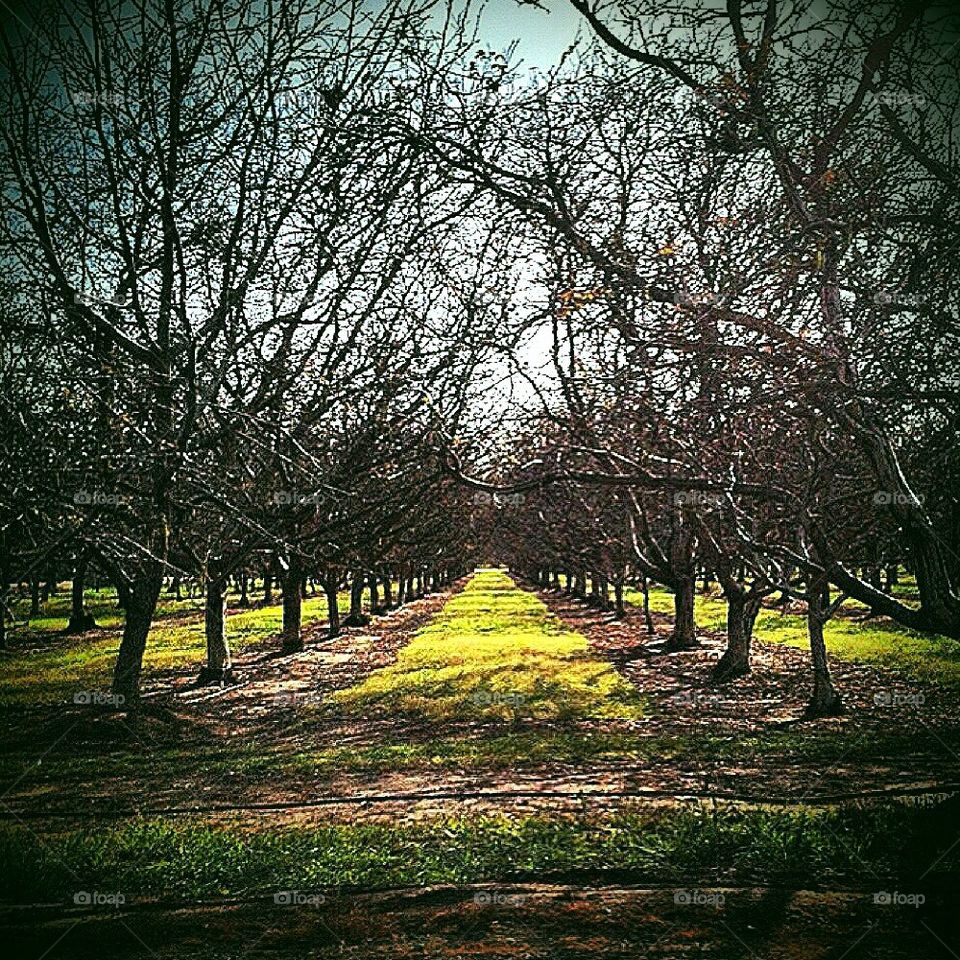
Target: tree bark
{"type": "Point", "coordinates": [267, 587]}
{"type": "Point", "coordinates": [735, 661]}
{"type": "Point", "coordinates": [387, 590]}
{"type": "Point", "coordinates": [373, 586]}
{"type": "Point", "coordinates": [292, 585]}
{"type": "Point", "coordinates": [684, 636]}
{"type": "Point", "coordinates": [141, 606]}
{"type": "Point", "coordinates": [824, 699]}
{"type": "Point", "coordinates": [34, 598]}
{"type": "Point", "coordinates": [648, 619]}
{"type": "Point", "coordinates": [81, 619]}
{"type": "Point", "coordinates": [219, 665]}
{"type": "Point", "coordinates": [356, 617]}
{"type": "Point", "coordinates": [331, 584]}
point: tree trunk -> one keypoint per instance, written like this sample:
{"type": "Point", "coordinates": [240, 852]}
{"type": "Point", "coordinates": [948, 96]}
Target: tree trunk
{"type": "Point", "coordinates": [292, 585]}
{"type": "Point", "coordinates": [374, 593]}
{"type": "Point", "coordinates": [219, 665]}
{"type": "Point", "coordinates": [604, 592]}
{"type": "Point", "coordinates": [618, 597]}
{"type": "Point", "coordinates": [140, 608]}
{"type": "Point", "coordinates": [123, 594]}
{"type": "Point", "coordinates": [684, 636]}
{"type": "Point", "coordinates": [267, 587]}
{"type": "Point", "coordinates": [387, 591]}
{"type": "Point", "coordinates": [356, 616]}
{"type": "Point", "coordinates": [735, 661]}
{"type": "Point", "coordinates": [34, 598]}
{"type": "Point", "coordinates": [648, 619]}
{"type": "Point", "coordinates": [81, 619]}
{"type": "Point", "coordinates": [824, 700]}
{"type": "Point", "coordinates": [4, 593]}
{"type": "Point", "coordinates": [244, 589]}
{"type": "Point", "coordinates": [331, 584]}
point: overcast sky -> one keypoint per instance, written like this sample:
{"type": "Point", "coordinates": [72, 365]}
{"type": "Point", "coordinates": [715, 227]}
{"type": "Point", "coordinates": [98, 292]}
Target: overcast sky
{"type": "Point", "coordinates": [542, 36]}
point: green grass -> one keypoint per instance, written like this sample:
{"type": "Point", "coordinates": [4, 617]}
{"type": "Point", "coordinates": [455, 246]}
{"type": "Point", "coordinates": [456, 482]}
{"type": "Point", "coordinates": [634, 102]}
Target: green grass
{"type": "Point", "coordinates": [495, 651]}
{"type": "Point", "coordinates": [186, 859]}
{"type": "Point", "coordinates": [51, 668]}
{"type": "Point", "coordinates": [513, 750]}
{"type": "Point", "coordinates": [879, 642]}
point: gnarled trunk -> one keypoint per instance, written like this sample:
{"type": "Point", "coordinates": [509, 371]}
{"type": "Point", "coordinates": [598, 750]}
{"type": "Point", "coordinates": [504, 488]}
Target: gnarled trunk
{"type": "Point", "coordinates": [684, 636]}
{"type": "Point", "coordinates": [356, 617]}
{"type": "Point", "coordinates": [81, 619]}
{"type": "Point", "coordinates": [735, 661]}
{"type": "Point", "coordinates": [291, 633]}
{"type": "Point", "coordinates": [387, 591]}
{"type": "Point", "coordinates": [331, 589]}
{"type": "Point", "coordinates": [618, 597]}
{"type": "Point", "coordinates": [824, 699]}
{"type": "Point", "coordinates": [140, 608]}
{"type": "Point", "coordinates": [219, 665]}
{"type": "Point", "coordinates": [374, 593]}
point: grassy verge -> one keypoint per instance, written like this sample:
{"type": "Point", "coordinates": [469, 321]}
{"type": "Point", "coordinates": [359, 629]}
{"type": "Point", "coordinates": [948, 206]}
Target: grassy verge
{"type": "Point", "coordinates": [146, 859]}
{"type": "Point", "coordinates": [50, 668]}
{"type": "Point", "coordinates": [475, 753]}
{"type": "Point", "coordinates": [495, 651]}
{"type": "Point", "coordinates": [880, 642]}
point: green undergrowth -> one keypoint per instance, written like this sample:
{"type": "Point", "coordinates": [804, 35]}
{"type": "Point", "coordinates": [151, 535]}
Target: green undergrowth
{"type": "Point", "coordinates": [878, 641]}
{"type": "Point", "coordinates": [730, 845]}
{"type": "Point", "coordinates": [44, 666]}
{"type": "Point", "coordinates": [495, 651]}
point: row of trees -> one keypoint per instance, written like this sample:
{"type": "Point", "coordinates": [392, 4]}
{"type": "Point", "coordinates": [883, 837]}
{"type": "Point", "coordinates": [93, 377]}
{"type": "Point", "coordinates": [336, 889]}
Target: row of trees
{"type": "Point", "coordinates": [744, 227]}
{"type": "Point", "coordinates": [298, 282]}
{"type": "Point", "coordinates": [234, 303]}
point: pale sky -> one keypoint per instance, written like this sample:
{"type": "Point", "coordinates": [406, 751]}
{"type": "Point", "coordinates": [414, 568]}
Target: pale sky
{"type": "Point", "coordinates": [543, 36]}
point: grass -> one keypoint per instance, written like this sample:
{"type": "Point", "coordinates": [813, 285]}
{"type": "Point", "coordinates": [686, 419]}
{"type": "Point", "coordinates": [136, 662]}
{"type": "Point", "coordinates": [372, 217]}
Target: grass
{"type": "Point", "coordinates": [512, 750]}
{"type": "Point", "coordinates": [47, 667]}
{"type": "Point", "coordinates": [495, 651]}
{"type": "Point", "coordinates": [879, 642]}
{"type": "Point", "coordinates": [722, 844]}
